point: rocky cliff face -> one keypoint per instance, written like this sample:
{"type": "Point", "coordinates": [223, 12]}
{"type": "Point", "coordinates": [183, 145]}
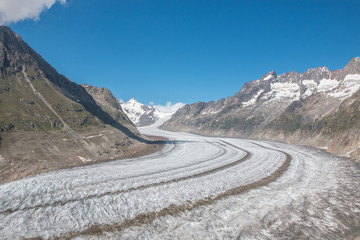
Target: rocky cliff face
{"type": "Point", "coordinates": [303, 108]}
{"type": "Point", "coordinates": [106, 100]}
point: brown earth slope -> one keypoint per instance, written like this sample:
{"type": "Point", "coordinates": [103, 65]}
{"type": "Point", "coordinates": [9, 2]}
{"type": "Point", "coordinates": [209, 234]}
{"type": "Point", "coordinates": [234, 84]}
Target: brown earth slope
{"type": "Point", "coordinates": [48, 122]}
{"type": "Point", "coordinates": [110, 105]}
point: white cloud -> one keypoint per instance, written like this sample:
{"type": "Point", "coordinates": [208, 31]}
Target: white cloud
{"type": "Point", "coordinates": [169, 107]}
{"type": "Point", "coordinates": [151, 103]}
{"type": "Point", "coordinates": [121, 101]}
{"type": "Point", "coordinates": [17, 10]}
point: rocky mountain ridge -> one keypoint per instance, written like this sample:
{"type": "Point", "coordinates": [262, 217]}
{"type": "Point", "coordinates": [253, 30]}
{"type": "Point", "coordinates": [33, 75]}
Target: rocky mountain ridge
{"type": "Point", "coordinates": [48, 122]}
{"type": "Point", "coordinates": [71, 101]}
{"type": "Point", "coordinates": [109, 104]}
{"type": "Point", "coordinates": [301, 108]}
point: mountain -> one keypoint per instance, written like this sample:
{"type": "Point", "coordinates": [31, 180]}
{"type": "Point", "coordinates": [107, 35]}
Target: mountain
{"type": "Point", "coordinates": [140, 114]}
{"type": "Point", "coordinates": [48, 122]}
{"type": "Point", "coordinates": [318, 108]}
{"type": "Point", "coordinates": [109, 104]}
{"type": "Point", "coordinates": [143, 115]}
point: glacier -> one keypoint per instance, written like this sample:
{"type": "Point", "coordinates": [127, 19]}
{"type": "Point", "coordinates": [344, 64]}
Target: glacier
{"type": "Point", "coordinates": [285, 191]}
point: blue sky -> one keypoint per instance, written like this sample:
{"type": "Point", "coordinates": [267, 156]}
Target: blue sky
{"type": "Point", "coordinates": [190, 50]}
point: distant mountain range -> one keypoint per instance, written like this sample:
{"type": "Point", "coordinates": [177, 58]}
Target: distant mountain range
{"type": "Point", "coordinates": [48, 122]}
{"type": "Point", "coordinates": [144, 115]}
{"type": "Point", "coordinates": [319, 108]}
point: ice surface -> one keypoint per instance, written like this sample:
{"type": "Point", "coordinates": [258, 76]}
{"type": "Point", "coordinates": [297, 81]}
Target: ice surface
{"type": "Point", "coordinates": [315, 199]}
{"type": "Point", "coordinates": [333, 88]}
{"type": "Point", "coordinates": [310, 87]}
{"type": "Point", "coordinates": [327, 85]}
{"type": "Point", "coordinates": [347, 87]}
{"type": "Point", "coordinates": [281, 91]}
{"type": "Point", "coordinates": [318, 194]}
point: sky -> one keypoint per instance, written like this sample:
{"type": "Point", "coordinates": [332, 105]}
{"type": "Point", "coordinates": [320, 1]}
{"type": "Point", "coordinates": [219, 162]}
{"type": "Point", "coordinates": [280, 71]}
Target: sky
{"type": "Point", "coordinates": [160, 51]}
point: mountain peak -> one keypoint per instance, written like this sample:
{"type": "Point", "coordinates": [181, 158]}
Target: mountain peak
{"type": "Point", "coordinates": [6, 29]}
{"type": "Point", "coordinates": [353, 67]}
{"type": "Point", "coordinates": [266, 77]}
{"type": "Point", "coordinates": [316, 74]}
{"type": "Point", "coordinates": [133, 100]}
{"type": "Point", "coordinates": [8, 36]}
{"type": "Point", "coordinates": [269, 75]}
{"type": "Point", "coordinates": [354, 61]}
{"type": "Point", "coordinates": [140, 114]}
{"type": "Point", "coordinates": [318, 69]}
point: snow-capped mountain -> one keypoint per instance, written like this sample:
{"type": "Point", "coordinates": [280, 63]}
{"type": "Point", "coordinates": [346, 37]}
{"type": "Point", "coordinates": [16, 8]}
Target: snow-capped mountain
{"type": "Point", "coordinates": [144, 115]}
{"type": "Point", "coordinates": [302, 108]}
{"type": "Point", "coordinates": [140, 114]}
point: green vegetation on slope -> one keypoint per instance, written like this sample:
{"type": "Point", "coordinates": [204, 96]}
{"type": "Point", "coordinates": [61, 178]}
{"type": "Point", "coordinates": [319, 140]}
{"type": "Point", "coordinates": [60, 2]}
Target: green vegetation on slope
{"type": "Point", "coordinates": [55, 100]}
{"type": "Point", "coordinates": [21, 109]}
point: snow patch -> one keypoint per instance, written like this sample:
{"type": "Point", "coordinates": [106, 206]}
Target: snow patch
{"type": "Point", "coordinates": [333, 88]}
{"type": "Point", "coordinates": [268, 77]}
{"type": "Point", "coordinates": [211, 111]}
{"type": "Point", "coordinates": [215, 112]}
{"type": "Point", "coordinates": [252, 101]}
{"type": "Point", "coordinates": [84, 160]}
{"type": "Point", "coordinates": [280, 91]}
{"type": "Point", "coordinates": [347, 87]}
{"type": "Point", "coordinates": [327, 85]}
{"type": "Point", "coordinates": [94, 136]}
{"type": "Point", "coordinates": [310, 87]}
{"type": "Point", "coordinates": [352, 76]}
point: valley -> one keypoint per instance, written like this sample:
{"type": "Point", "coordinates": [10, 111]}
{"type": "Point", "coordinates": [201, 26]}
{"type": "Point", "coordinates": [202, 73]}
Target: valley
{"type": "Point", "coordinates": [78, 163]}
{"type": "Point", "coordinates": [195, 187]}
{"type": "Point", "coordinates": [48, 122]}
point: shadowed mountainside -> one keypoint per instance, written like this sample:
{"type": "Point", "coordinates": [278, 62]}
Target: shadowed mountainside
{"type": "Point", "coordinates": [49, 122]}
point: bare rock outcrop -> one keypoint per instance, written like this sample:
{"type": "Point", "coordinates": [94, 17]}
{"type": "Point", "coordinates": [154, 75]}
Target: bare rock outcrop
{"type": "Point", "coordinates": [318, 108]}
